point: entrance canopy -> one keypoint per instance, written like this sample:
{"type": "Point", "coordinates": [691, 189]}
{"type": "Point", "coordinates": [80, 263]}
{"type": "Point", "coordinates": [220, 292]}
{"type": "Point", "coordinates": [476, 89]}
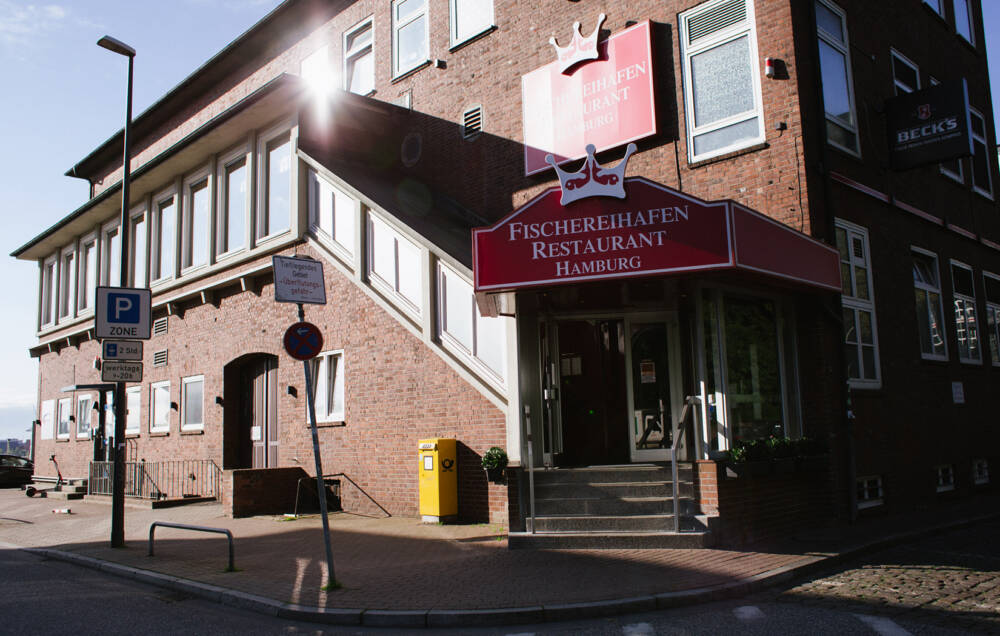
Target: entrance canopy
{"type": "Point", "coordinates": [654, 230]}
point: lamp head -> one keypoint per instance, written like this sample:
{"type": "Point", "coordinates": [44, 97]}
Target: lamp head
{"type": "Point", "coordinates": [116, 46]}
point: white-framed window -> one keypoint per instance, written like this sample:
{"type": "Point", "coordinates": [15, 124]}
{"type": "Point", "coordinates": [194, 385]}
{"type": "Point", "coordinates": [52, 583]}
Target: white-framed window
{"type": "Point", "coordinates": [137, 247]}
{"type": "Point", "coordinates": [927, 289]}
{"type": "Point", "coordinates": [838, 82]}
{"type": "Point", "coordinates": [460, 325]}
{"type": "Point", "coordinates": [67, 282]}
{"type": "Point", "coordinates": [359, 58]}
{"type": "Point", "coordinates": [196, 220]}
{"type": "Point", "coordinates": [49, 291]}
{"type": "Point", "coordinates": [159, 406]}
{"type": "Point", "coordinates": [963, 20]}
{"type": "Point", "coordinates": [84, 412]}
{"type": "Point", "coordinates": [64, 413]}
{"type": "Point", "coordinates": [858, 300]}
{"type": "Point", "coordinates": [980, 471]}
{"type": "Point", "coordinates": [869, 491]}
{"type": "Point", "coordinates": [332, 212]}
{"type": "Point", "coordinates": [47, 415]}
{"type": "Point", "coordinates": [234, 203]}
{"type": "Point", "coordinates": [328, 372]}
{"type": "Point", "coordinates": [966, 325]}
{"type": "Point", "coordinates": [111, 249]}
{"type": "Point", "coordinates": [991, 285]}
{"type": "Point", "coordinates": [721, 78]}
{"type": "Point", "coordinates": [193, 403]}
{"type": "Point", "coordinates": [936, 5]}
{"type": "Point", "coordinates": [469, 18]}
{"type": "Point", "coordinates": [133, 410]}
{"type": "Point", "coordinates": [409, 35]}
{"type": "Point", "coordinates": [982, 176]}
{"type": "Point", "coordinates": [945, 477]}
{"type": "Point", "coordinates": [394, 263]}
{"type": "Point", "coordinates": [164, 243]}
{"type": "Point", "coordinates": [317, 72]}
{"type": "Point", "coordinates": [87, 277]}
{"type": "Point", "coordinates": [274, 212]}
{"type": "Point", "coordinates": [951, 169]}
{"type": "Point", "coordinates": [905, 74]}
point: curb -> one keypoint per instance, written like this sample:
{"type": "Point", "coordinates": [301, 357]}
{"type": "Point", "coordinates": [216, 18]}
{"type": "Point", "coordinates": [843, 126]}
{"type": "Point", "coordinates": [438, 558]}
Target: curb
{"type": "Point", "coordinates": [441, 619]}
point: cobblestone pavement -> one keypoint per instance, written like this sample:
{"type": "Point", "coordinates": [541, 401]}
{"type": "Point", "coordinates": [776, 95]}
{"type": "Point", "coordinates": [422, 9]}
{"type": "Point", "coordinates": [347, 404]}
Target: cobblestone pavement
{"type": "Point", "coordinates": [948, 581]}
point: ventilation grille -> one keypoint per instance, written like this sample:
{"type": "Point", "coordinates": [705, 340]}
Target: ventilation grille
{"type": "Point", "coordinates": [160, 358]}
{"type": "Point", "coordinates": [472, 122]}
{"type": "Point", "coordinates": [160, 326]}
{"type": "Point", "coordinates": [716, 19]}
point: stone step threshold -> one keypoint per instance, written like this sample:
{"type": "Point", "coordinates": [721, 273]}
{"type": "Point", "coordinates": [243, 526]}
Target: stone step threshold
{"type": "Point", "coordinates": [609, 540]}
{"type": "Point", "coordinates": [149, 504]}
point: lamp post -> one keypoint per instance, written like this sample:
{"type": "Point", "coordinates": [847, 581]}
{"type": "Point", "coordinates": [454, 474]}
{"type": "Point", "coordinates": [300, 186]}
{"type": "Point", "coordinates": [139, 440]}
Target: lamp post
{"type": "Point", "coordinates": [118, 482]}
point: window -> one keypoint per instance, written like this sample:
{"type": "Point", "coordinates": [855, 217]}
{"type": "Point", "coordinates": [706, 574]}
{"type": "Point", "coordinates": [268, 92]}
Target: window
{"type": "Point", "coordinates": [133, 406]}
{"type": "Point", "coordinates": [951, 169]}
{"type": "Point", "coordinates": [963, 20]}
{"type": "Point", "coordinates": [195, 227]}
{"type": "Point", "coordinates": [945, 477]}
{"type": "Point", "coordinates": [164, 238]}
{"type": "Point", "coordinates": [67, 282]}
{"type": "Point", "coordinates": [331, 212]}
{"type": "Point", "coordinates": [137, 249]}
{"type": "Point", "coordinates": [84, 411]}
{"type": "Point", "coordinates": [159, 407]}
{"type": "Point", "coordinates": [905, 75]}
{"type": "Point", "coordinates": [936, 5]}
{"type": "Point", "coordinates": [721, 81]}
{"type": "Point", "coordinates": [234, 206]}
{"type": "Point", "coordinates": [982, 181]}
{"type": "Point", "coordinates": [469, 18]}
{"type": "Point", "coordinates": [980, 471]}
{"type": "Point", "coordinates": [192, 403]}
{"type": "Point", "coordinates": [359, 58]}
{"type": "Point", "coordinates": [461, 325]}
{"type": "Point", "coordinates": [316, 71]}
{"type": "Point", "coordinates": [409, 35]}
{"type": "Point", "coordinates": [966, 326]}
{"type": "Point", "coordinates": [328, 369]}
{"type": "Point", "coordinates": [394, 263]}
{"type": "Point", "coordinates": [111, 246]}
{"type": "Point", "coordinates": [87, 273]}
{"type": "Point", "coordinates": [49, 295]}
{"type": "Point", "coordinates": [927, 287]}
{"type": "Point", "coordinates": [274, 217]}
{"type": "Point", "coordinates": [860, 333]}
{"type": "Point", "coordinates": [65, 412]}
{"type": "Point", "coordinates": [835, 69]}
{"type": "Point", "coordinates": [869, 492]}
{"type": "Point", "coordinates": [46, 414]}
{"type": "Point", "coordinates": [991, 283]}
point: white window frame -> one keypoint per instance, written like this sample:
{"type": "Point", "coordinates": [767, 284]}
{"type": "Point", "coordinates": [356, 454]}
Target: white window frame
{"type": "Point", "coordinates": [397, 26]}
{"type": "Point", "coordinates": [110, 271]}
{"type": "Point", "coordinates": [899, 85]}
{"type": "Point", "coordinates": [969, 302]}
{"type": "Point", "coordinates": [970, 22]}
{"type": "Point", "coordinates": [392, 288]}
{"type": "Point", "coordinates": [471, 352]}
{"type": "Point", "coordinates": [935, 290]}
{"type": "Point", "coordinates": [353, 54]}
{"type": "Point", "coordinates": [49, 291]}
{"type": "Point", "coordinates": [980, 477]}
{"type": "Point", "coordinates": [84, 414]}
{"type": "Point", "coordinates": [857, 304]}
{"type": "Point", "coordinates": [157, 242]}
{"type": "Point", "coordinates": [945, 477]}
{"type": "Point", "coordinates": [748, 28]}
{"type": "Point", "coordinates": [138, 214]}
{"type": "Point", "coordinates": [154, 387]}
{"type": "Point", "coordinates": [321, 371]}
{"type": "Point", "coordinates": [937, 6]}
{"type": "Point", "coordinates": [959, 176]}
{"type": "Point", "coordinates": [66, 297]}
{"type": "Point", "coordinates": [46, 417]}
{"type": "Point", "coordinates": [992, 315]}
{"type": "Point", "coordinates": [203, 178]}
{"type": "Point", "coordinates": [866, 483]}
{"type": "Point", "coordinates": [454, 6]}
{"type": "Point", "coordinates": [982, 140]}
{"type": "Point", "coordinates": [261, 216]}
{"type": "Point", "coordinates": [87, 275]}
{"type": "Point", "coordinates": [844, 48]}
{"type": "Point", "coordinates": [342, 245]}
{"type": "Point", "coordinates": [133, 424]}
{"type": "Point", "coordinates": [221, 246]}
{"type": "Point", "coordinates": [64, 409]}
{"type": "Point", "coordinates": [192, 426]}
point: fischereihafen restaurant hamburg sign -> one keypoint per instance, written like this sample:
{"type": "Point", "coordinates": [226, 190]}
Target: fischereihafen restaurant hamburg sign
{"type": "Point", "coordinates": [929, 126]}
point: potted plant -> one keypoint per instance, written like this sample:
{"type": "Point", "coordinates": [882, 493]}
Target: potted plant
{"type": "Point", "coordinates": [783, 452]}
{"type": "Point", "coordinates": [494, 462]}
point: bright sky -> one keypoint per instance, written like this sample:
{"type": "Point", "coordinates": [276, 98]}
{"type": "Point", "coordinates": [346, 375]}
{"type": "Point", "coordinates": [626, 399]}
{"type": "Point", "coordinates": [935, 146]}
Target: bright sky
{"type": "Point", "coordinates": [65, 96]}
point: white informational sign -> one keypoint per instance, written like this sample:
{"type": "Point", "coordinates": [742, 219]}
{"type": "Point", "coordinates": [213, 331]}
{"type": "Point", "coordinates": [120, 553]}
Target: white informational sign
{"type": "Point", "coordinates": [121, 371]}
{"type": "Point", "coordinates": [48, 413]}
{"type": "Point", "coordinates": [298, 280]}
{"type": "Point", "coordinates": [123, 312]}
{"type": "Point", "coordinates": [958, 393]}
{"type": "Point", "coordinates": [121, 350]}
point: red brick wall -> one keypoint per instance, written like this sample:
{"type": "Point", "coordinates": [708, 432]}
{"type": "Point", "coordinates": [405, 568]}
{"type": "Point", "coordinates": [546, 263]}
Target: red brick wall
{"type": "Point", "coordinates": [248, 492]}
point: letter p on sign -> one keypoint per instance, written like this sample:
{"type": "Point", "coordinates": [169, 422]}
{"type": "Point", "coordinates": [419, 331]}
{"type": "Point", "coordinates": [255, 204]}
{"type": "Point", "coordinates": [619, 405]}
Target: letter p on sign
{"type": "Point", "coordinates": [123, 308]}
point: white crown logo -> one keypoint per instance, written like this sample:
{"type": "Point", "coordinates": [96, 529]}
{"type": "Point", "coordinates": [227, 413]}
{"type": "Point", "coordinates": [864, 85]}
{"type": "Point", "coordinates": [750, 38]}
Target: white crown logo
{"type": "Point", "coordinates": [592, 180]}
{"type": "Point", "coordinates": [580, 48]}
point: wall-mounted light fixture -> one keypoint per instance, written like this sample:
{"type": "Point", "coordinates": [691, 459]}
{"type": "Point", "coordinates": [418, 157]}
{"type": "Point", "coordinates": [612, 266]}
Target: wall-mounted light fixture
{"type": "Point", "coordinates": [218, 400]}
{"type": "Point", "coordinates": [292, 391]}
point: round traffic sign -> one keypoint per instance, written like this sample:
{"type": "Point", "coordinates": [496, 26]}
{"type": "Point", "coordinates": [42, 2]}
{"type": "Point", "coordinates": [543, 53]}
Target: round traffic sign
{"type": "Point", "coordinates": [303, 341]}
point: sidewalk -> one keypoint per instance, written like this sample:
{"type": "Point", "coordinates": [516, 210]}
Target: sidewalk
{"type": "Point", "coordinates": [402, 573]}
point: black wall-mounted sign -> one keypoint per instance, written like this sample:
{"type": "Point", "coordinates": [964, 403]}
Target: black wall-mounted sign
{"type": "Point", "coordinates": [929, 126]}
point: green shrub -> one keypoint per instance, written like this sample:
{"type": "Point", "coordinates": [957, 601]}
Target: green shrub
{"type": "Point", "coordinates": [495, 458]}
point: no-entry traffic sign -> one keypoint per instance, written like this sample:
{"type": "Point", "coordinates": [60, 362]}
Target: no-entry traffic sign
{"type": "Point", "coordinates": [303, 341]}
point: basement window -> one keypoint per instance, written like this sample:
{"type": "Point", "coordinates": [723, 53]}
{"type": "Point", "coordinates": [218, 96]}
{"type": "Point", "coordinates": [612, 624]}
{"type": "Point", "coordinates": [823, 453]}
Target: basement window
{"type": "Point", "coordinates": [869, 492]}
{"type": "Point", "coordinates": [945, 477]}
{"type": "Point", "coordinates": [980, 471]}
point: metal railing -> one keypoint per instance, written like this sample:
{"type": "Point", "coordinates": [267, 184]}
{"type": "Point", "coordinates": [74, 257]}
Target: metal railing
{"type": "Point", "coordinates": [690, 402]}
{"type": "Point", "coordinates": [174, 479]}
{"type": "Point", "coordinates": [184, 526]}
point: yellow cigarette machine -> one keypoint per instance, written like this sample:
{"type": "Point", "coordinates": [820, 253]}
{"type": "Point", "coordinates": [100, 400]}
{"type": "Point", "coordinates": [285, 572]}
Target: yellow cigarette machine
{"type": "Point", "coordinates": [438, 479]}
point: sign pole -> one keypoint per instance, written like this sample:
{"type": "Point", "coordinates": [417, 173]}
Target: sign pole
{"type": "Point", "coordinates": [320, 484]}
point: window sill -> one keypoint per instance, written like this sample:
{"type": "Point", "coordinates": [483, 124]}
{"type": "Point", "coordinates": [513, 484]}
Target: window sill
{"type": "Point", "coordinates": [729, 155]}
{"type": "Point", "coordinates": [193, 431]}
{"type": "Point", "coordinates": [159, 433]}
{"type": "Point", "coordinates": [983, 193]}
{"type": "Point", "coordinates": [62, 440]}
{"type": "Point", "coordinates": [331, 424]}
{"type": "Point", "coordinates": [413, 71]}
{"type": "Point", "coordinates": [131, 435]}
{"type": "Point", "coordinates": [473, 38]}
{"type": "Point", "coordinates": [874, 503]}
{"type": "Point", "coordinates": [944, 360]}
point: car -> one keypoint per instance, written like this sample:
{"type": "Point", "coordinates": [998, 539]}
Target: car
{"type": "Point", "coordinates": [15, 471]}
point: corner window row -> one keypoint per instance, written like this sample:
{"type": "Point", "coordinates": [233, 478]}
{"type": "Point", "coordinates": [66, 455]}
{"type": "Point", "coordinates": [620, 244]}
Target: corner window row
{"type": "Point", "coordinates": [962, 11]}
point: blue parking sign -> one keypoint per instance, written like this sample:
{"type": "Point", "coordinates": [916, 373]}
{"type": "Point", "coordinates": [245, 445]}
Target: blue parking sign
{"type": "Point", "coordinates": [123, 313]}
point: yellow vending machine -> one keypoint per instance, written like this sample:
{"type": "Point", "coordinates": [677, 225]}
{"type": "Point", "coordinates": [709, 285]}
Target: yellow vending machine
{"type": "Point", "coordinates": [438, 480]}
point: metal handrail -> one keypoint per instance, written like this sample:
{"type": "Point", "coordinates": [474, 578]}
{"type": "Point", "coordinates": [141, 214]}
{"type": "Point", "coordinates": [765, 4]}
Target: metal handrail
{"type": "Point", "coordinates": [678, 431]}
{"type": "Point", "coordinates": [184, 526]}
{"type": "Point", "coordinates": [171, 479]}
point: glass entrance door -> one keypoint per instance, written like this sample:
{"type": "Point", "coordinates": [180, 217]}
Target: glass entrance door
{"type": "Point", "coordinates": [654, 382]}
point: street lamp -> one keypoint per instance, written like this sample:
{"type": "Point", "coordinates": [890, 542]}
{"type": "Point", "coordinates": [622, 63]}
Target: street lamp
{"type": "Point", "coordinates": [118, 483]}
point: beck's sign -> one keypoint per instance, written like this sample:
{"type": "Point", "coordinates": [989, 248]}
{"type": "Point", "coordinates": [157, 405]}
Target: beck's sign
{"type": "Point", "coordinates": [929, 126]}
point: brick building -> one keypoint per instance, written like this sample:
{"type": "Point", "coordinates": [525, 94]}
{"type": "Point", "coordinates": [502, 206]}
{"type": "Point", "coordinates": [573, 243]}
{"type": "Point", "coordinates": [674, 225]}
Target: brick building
{"type": "Point", "coordinates": [376, 136]}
